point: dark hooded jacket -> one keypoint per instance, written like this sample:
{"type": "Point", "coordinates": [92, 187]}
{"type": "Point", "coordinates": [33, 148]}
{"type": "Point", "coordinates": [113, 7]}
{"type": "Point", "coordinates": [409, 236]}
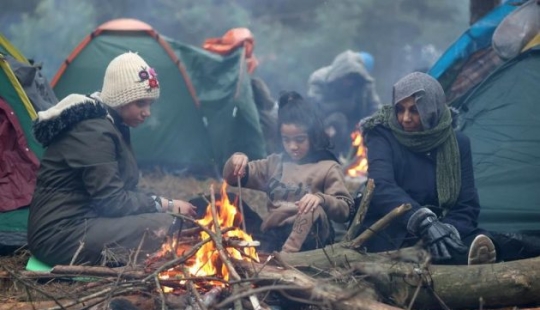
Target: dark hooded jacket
{"type": "Point", "coordinates": [362, 101]}
{"type": "Point", "coordinates": [402, 176]}
{"type": "Point", "coordinates": [343, 107]}
{"type": "Point", "coordinates": [86, 188]}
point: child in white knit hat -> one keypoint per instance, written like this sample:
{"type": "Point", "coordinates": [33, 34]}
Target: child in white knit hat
{"type": "Point", "coordinates": [86, 191]}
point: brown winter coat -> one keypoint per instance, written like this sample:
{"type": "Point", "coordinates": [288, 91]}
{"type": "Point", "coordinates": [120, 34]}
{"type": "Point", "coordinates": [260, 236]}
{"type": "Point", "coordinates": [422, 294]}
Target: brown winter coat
{"type": "Point", "coordinates": [86, 189]}
{"type": "Point", "coordinates": [286, 182]}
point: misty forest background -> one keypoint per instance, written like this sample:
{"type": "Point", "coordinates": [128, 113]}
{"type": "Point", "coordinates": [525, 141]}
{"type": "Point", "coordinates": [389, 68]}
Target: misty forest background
{"type": "Point", "coordinates": [292, 37]}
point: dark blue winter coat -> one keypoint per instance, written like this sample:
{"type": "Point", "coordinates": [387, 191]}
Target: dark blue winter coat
{"type": "Point", "coordinates": [402, 176]}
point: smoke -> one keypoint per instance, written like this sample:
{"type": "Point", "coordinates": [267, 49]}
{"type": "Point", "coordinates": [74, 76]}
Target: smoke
{"type": "Point", "coordinates": [293, 38]}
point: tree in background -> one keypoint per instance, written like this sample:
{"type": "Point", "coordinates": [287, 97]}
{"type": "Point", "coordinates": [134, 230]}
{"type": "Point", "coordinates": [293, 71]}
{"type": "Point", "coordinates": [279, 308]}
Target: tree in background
{"type": "Point", "coordinates": [293, 38]}
{"type": "Point", "coordinates": [49, 32]}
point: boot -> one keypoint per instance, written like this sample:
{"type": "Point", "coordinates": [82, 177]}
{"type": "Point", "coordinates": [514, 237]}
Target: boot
{"type": "Point", "coordinates": [482, 251]}
{"type": "Point", "coordinates": [302, 227]}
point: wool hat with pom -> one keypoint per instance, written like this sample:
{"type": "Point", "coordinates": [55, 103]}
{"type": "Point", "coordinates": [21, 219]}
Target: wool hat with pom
{"type": "Point", "coordinates": [128, 78]}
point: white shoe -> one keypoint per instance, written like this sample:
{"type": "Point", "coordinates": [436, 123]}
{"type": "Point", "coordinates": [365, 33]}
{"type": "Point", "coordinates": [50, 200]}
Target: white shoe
{"type": "Point", "coordinates": [482, 251]}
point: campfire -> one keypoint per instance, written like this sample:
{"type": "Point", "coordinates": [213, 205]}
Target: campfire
{"type": "Point", "coordinates": [358, 164]}
{"type": "Point", "coordinates": [223, 219]}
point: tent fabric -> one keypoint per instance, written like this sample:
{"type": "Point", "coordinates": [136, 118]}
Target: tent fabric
{"type": "Point", "coordinates": [501, 116]}
{"type": "Point", "coordinates": [476, 38]}
{"type": "Point", "coordinates": [13, 93]}
{"type": "Point", "coordinates": [516, 30]}
{"type": "Point", "coordinates": [205, 112]}
{"type": "Point", "coordinates": [231, 41]}
{"type": "Point", "coordinates": [19, 152]}
{"type": "Point", "coordinates": [23, 91]}
{"type": "Point", "coordinates": [13, 227]}
{"type": "Point", "coordinates": [7, 48]}
{"type": "Point", "coordinates": [35, 85]}
{"type": "Point", "coordinates": [18, 164]}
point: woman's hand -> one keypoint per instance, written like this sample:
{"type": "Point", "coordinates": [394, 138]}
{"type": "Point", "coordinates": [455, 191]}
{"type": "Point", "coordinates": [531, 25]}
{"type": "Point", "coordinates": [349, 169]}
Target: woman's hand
{"type": "Point", "coordinates": [308, 203]}
{"type": "Point", "coordinates": [239, 162]}
{"type": "Point", "coordinates": [179, 206]}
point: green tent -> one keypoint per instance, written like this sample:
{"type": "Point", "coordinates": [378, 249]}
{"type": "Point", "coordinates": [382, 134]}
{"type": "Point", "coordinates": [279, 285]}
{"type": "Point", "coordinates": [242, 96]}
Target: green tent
{"type": "Point", "coordinates": [206, 110]}
{"type": "Point", "coordinates": [501, 116]}
{"type": "Point", "coordinates": [23, 92]}
{"type": "Point", "coordinates": [13, 92]}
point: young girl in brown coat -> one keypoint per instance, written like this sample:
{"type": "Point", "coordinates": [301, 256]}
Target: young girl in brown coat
{"type": "Point", "coordinates": [304, 184]}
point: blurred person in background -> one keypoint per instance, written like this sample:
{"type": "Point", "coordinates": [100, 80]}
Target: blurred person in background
{"type": "Point", "coordinates": [344, 93]}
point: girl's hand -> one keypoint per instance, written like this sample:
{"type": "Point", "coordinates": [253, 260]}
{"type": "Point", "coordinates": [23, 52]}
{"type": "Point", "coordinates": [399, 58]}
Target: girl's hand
{"type": "Point", "coordinates": [180, 206]}
{"type": "Point", "coordinates": [239, 162]}
{"type": "Point", "coordinates": [308, 203]}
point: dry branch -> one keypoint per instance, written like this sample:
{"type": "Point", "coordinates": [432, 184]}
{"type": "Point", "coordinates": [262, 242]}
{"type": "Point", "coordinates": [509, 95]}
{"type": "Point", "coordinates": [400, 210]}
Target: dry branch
{"type": "Point", "coordinates": [356, 223]}
{"type": "Point", "coordinates": [379, 225]}
{"type": "Point", "coordinates": [96, 271]}
{"type": "Point", "coordinates": [309, 288]}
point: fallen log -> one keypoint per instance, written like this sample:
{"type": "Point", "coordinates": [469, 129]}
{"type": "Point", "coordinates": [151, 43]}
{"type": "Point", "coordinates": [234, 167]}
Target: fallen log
{"type": "Point", "coordinates": [314, 291]}
{"type": "Point", "coordinates": [502, 284]}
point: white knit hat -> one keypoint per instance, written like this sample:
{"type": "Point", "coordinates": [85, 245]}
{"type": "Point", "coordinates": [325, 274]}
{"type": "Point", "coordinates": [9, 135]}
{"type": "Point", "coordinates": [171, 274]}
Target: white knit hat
{"type": "Point", "coordinates": [128, 78]}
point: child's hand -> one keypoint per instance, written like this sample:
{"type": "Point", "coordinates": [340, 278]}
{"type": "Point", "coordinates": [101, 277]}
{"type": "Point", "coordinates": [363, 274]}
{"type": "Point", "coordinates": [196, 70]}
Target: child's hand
{"type": "Point", "coordinates": [239, 162]}
{"type": "Point", "coordinates": [308, 203]}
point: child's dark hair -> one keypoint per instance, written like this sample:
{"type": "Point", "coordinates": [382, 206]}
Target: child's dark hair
{"type": "Point", "coordinates": [294, 110]}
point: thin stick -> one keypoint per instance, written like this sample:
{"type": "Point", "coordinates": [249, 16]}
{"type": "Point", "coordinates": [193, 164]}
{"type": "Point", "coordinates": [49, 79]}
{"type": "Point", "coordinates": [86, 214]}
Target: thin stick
{"type": "Point", "coordinates": [379, 225]}
{"type": "Point", "coordinates": [160, 291]}
{"type": "Point", "coordinates": [219, 245]}
{"type": "Point", "coordinates": [239, 183]}
{"type": "Point", "coordinates": [79, 249]}
{"type": "Point", "coordinates": [193, 290]}
{"type": "Point", "coordinates": [46, 294]}
{"type": "Point", "coordinates": [136, 258]}
{"type": "Point", "coordinates": [97, 294]}
{"type": "Point", "coordinates": [178, 260]}
{"type": "Point", "coordinates": [356, 223]}
{"type": "Point", "coordinates": [248, 293]}
{"type": "Point", "coordinates": [415, 295]}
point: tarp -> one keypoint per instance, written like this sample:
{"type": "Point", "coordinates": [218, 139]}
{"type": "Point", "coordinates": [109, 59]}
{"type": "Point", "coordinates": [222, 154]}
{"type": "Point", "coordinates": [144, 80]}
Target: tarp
{"type": "Point", "coordinates": [206, 110]}
{"type": "Point", "coordinates": [501, 116]}
{"type": "Point", "coordinates": [23, 92]}
{"type": "Point", "coordinates": [476, 38]}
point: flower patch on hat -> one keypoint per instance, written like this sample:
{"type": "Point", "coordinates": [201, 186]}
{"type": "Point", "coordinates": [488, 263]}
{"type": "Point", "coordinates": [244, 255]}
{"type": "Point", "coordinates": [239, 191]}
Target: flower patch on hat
{"type": "Point", "coordinates": [150, 75]}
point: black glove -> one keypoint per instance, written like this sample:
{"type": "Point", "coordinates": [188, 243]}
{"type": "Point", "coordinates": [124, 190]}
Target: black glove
{"type": "Point", "coordinates": [438, 237]}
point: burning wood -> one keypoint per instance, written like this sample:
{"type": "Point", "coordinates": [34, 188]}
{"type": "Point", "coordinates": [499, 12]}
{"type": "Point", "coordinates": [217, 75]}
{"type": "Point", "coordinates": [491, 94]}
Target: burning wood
{"type": "Point", "coordinates": [209, 266]}
{"type": "Point", "coordinates": [207, 261]}
{"type": "Point", "coordinates": [358, 165]}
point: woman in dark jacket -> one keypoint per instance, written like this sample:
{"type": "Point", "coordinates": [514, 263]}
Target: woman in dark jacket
{"type": "Point", "coordinates": [415, 157]}
{"type": "Point", "coordinates": [86, 197]}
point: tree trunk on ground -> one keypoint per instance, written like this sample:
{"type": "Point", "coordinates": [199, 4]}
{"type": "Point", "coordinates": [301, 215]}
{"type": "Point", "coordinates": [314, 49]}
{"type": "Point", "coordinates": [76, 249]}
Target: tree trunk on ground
{"type": "Point", "coordinates": [315, 291]}
{"type": "Point", "coordinates": [479, 8]}
{"type": "Point", "coordinates": [502, 284]}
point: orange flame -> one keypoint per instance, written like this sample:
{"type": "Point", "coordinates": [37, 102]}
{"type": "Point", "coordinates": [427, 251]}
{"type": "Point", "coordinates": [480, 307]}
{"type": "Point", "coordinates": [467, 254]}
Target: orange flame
{"type": "Point", "coordinates": [359, 165]}
{"type": "Point", "coordinates": [207, 260]}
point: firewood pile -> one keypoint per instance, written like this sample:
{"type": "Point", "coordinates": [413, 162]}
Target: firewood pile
{"type": "Point", "coordinates": [211, 263]}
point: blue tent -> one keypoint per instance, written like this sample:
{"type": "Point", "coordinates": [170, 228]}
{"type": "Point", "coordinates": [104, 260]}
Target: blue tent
{"type": "Point", "coordinates": [476, 38]}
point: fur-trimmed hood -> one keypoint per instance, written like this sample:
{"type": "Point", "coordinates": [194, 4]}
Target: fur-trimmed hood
{"type": "Point", "coordinates": [65, 115]}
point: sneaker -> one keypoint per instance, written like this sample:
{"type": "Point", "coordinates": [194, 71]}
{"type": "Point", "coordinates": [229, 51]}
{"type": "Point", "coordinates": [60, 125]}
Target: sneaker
{"type": "Point", "coordinates": [482, 251]}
